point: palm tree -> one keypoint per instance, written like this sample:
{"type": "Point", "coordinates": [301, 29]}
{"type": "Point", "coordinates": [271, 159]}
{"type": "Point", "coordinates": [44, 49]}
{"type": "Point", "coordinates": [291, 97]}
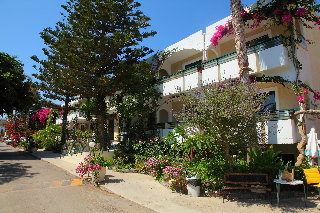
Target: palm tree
{"type": "Point", "coordinates": [238, 27]}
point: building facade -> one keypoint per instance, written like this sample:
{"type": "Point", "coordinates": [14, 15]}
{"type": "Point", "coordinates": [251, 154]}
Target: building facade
{"type": "Point", "coordinates": [196, 62]}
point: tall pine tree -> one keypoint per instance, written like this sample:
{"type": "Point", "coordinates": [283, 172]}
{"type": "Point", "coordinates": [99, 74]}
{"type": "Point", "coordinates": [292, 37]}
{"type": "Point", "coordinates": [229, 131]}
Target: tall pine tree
{"type": "Point", "coordinates": [55, 72]}
{"type": "Point", "coordinates": [96, 37]}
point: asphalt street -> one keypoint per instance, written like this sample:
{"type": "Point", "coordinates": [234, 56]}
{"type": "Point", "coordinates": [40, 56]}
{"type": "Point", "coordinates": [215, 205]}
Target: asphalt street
{"type": "Point", "coordinates": [29, 185]}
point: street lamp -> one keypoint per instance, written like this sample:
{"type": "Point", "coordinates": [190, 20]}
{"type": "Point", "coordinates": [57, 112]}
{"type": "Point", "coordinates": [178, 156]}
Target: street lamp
{"type": "Point", "coordinates": [92, 144]}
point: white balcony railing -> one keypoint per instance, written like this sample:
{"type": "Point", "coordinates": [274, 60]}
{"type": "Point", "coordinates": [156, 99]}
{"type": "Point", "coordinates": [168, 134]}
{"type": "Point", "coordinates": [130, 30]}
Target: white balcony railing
{"type": "Point", "coordinates": [263, 56]}
{"type": "Point", "coordinates": [281, 129]}
{"type": "Point", "coordinates": [180, 81]}
{"type": "Point", "coordinates": [282, 132]}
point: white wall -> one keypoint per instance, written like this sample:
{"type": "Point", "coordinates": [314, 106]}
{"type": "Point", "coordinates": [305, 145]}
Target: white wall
{"type": "Point", "coordinates": [194, 41]}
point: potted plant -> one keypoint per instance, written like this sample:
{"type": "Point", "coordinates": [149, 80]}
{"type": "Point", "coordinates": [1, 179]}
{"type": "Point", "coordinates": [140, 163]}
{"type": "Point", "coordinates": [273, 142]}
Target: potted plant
{"type": "Point", "coordinates": [93, 166]}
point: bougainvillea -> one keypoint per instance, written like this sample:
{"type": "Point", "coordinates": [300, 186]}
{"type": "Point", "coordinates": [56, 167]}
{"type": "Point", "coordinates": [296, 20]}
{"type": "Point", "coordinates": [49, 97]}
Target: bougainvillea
{"type": "Point", "coordinates": [41, 115]}
{"type": "Point", "coordinates": [91, 165]}
{"type": "Point", "coordinates": [300, 98]}
{"type": "Point", "coordinates": [222, 30]}
{"type": "Point", "coordinates": [17, 128]}
{"type": "Point", "coordinates": [301, 94]}
{"type": "Point", "coordinates": [276, 12]}
{"type": "Point", "coordinates": [316, 95]}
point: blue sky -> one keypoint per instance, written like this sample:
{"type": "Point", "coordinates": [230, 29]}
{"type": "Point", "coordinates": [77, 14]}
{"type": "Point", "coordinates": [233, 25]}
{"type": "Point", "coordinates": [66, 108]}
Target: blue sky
{"type": "Point", "coordinates": [21, 22]}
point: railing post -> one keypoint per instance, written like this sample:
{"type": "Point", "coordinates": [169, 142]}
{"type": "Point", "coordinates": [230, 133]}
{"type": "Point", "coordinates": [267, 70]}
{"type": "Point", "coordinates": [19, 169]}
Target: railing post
{"type": "Point", "coordinates": [183, 82]}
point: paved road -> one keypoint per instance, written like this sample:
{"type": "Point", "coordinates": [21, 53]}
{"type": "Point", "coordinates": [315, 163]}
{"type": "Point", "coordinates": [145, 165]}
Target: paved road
{"type": "Point", "coordinates": [29, 185]}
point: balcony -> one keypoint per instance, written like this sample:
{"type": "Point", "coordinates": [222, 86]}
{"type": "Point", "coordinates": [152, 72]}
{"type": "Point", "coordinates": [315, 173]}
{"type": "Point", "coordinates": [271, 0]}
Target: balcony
{"type": "Point", "coordinates": [281, 129]}
{"type": "Point", "coordinates": [180, 81]}
{"type": "Point", "coordinates": [264, 56]}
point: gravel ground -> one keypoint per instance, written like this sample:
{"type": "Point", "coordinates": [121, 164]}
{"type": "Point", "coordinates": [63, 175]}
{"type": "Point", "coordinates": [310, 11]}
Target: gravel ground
{"type": "Point", "coordinates": [144, 190]}
{"type": "Point", "coordinates": [147, 192]}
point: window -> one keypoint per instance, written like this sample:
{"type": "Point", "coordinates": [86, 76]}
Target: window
{"type": "Point", "coordinates": [270, 104]}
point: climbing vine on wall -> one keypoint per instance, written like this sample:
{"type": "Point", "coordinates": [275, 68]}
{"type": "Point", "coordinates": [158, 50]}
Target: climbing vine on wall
{"type": "Point", "coordinates": [289, 14]}
{"type": "Point", "coordinates": [301, 89]}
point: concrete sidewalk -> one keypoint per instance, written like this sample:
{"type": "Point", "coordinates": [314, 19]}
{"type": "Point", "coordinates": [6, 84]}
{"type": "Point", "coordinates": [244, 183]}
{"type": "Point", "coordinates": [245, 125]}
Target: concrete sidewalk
{"type": "Point", "coordinates": [144, 190]}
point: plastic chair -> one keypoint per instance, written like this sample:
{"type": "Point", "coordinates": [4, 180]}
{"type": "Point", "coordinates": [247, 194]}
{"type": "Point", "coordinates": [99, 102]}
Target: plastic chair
{"type": "Point", "coordinates": [313, 177]}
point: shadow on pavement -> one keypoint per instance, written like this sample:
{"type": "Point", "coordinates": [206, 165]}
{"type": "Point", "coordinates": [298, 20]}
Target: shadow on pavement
{"type": "Point", "coordinates": [111, 179]}
{"type": "Point", "coordinates": [289, 201]}
{"type": "Point", "coordinates": [15, 155]}
{"type": "Point", "coordinates": [12, 171]}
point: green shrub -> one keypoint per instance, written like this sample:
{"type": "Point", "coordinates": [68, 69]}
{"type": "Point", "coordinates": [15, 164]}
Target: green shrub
{"type": "Point", "coordinates": [80, 134]}
{"type": "Point", "coordinates": [49, 138]}
{"type": "Point", "coordinates": [149, 148]}
{"type": "Point", "coordinates": [123, 160]}
{"type": "Point", "coordinates": [211, 173]}
{"type": "Point", "coordinates": [265, 161]}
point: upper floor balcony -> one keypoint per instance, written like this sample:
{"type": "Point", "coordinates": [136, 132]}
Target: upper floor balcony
{"type": "Point", "coordinates": [267, 57]}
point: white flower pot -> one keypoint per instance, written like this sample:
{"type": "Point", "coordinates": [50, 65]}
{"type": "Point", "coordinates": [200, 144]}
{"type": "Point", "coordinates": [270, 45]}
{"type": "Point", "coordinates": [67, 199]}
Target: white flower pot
{"type": "Point", "coordinates": [193, 185]}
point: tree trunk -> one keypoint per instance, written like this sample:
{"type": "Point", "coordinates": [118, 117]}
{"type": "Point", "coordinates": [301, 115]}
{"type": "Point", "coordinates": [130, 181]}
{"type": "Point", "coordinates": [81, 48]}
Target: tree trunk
{"type": "Point", "coordinates": [239, 36]}
{"type": "Point", "coordinates": [309, 112]}
{"type": "Point", "coordinates": [227, 155]}
{"type": "Point", "coordinates": [101, 133]}
{"type": "Point", "coordinates": [303, 132]}
{"type": "Point", "coordinates": [302, 144]}
{"type": "Point", "coordinates": [65, 120]}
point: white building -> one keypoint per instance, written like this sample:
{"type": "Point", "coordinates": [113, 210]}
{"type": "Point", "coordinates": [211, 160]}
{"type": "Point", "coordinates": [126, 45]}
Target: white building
{"type": "Point", "coordinates": [267, 56]}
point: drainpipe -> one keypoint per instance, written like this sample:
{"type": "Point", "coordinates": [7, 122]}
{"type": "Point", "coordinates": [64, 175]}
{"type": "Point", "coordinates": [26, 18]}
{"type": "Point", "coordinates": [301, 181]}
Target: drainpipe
{"type": "Point", "coordinates": [204, 54]}
{"type": "Point", "coordinates": [204, 57]}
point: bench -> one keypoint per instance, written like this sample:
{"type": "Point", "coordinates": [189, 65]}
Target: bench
{"type": "Point", "coordinates": [246, 181]}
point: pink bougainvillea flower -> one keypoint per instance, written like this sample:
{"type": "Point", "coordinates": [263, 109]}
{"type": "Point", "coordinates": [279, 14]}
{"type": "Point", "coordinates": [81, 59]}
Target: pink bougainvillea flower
{"type": "Point", "coordinates": [257, 19]}
{"type": "Point", "coordinates": [316, 95]}
{"type": "Point", "coordinates": [301, 12]}
{"type": "Point", "coordinates": [220, 28]}
{"type": "Point", "coordinates": [256, 16]}
{"type": "Point", "coordinates": [305, 91]}
{"type": "Point", "coordinates": [287, 17]}
{"type": "Point", "coordinates": [244, 13]}
{"type": "Point", "coordinates": [41, 115]}
{"type": "Point", "coordinates": [221, 31]}
{"type": "Point", "coordinates": [300, 98]}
